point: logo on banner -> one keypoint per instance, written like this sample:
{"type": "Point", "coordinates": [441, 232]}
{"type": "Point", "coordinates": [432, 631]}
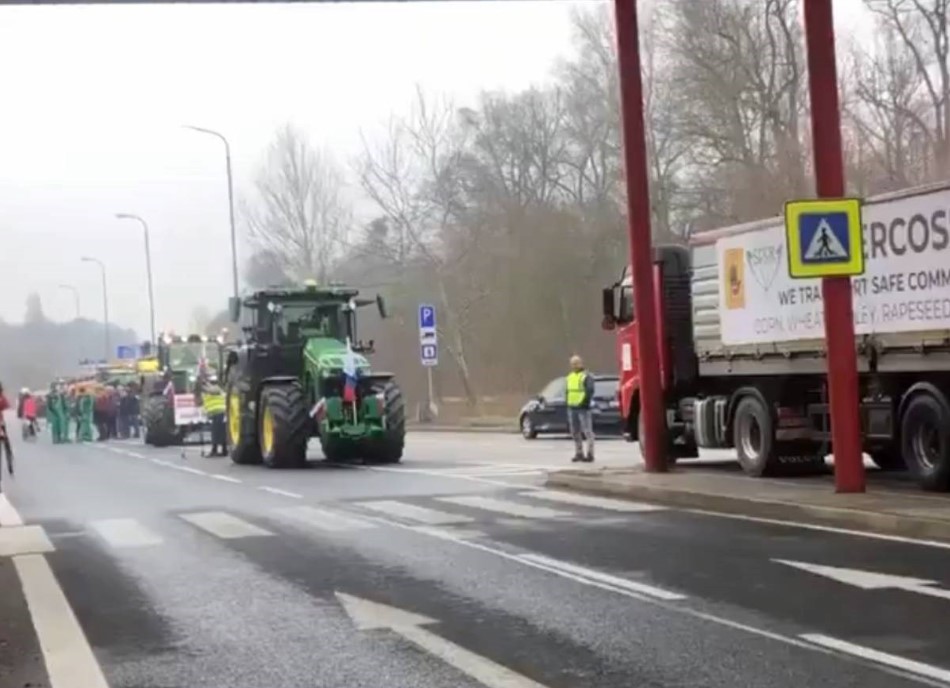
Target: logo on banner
{"type": "Point", "coordinates": [734, 278]}
{"type": "Point", "coordinates": [764, 264]}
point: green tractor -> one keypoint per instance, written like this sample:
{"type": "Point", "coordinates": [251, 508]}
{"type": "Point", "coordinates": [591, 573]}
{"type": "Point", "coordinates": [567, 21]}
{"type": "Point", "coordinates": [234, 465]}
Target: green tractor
{"type": "Point", "coordinates": [170, 411]}
{"type": "Point", "coordinates": [299, 374]}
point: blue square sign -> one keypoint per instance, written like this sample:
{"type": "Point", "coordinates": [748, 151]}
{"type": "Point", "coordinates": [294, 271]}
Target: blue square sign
{"type": "Point", "coordinates": [426, 316]}
{"type": "Point", "coordinates": [824, 238]}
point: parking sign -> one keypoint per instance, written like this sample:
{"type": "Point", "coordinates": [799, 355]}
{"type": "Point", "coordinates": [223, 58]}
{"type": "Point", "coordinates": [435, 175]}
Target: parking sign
{"type": "Point", "coordinates": [426, 317]}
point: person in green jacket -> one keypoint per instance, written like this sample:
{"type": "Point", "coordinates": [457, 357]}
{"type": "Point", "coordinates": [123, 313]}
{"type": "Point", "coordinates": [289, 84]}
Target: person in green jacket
{"type": "Point", "coordinates": [56, 411]}
{"type": "Point", "coordinates": [86, 407]}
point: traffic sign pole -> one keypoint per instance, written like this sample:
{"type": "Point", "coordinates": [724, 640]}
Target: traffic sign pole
{"type": "Point", "coordinates": [836, 291]}
{"type": "Point", "coordinates": [638, 224]}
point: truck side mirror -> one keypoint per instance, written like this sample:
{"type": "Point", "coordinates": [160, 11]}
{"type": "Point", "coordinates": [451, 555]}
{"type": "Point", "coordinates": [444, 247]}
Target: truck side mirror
{"type": "Point", "coordinates": [234, 308]}
{"type": "Point", "coordinates": [381, 306]}
{"type": "Point", "coordinates": [609, 308]}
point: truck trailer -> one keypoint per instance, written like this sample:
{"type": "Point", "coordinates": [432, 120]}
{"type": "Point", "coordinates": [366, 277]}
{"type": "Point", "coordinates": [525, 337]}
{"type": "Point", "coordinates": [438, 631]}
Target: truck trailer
{"type": "Point", "coordinates": [742, 351]}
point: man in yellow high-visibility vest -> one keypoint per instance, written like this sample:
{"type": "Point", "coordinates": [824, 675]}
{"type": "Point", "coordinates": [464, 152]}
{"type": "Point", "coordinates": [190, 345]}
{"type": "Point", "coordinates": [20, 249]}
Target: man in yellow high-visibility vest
{"type": "Point", "coordinates": [212, 400]}
{"type": "Point", "coordinates": [580, 392]}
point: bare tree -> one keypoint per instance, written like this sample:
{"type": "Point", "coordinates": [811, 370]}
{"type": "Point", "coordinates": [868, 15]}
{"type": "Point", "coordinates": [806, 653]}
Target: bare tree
{"type": "Point", "coordinates": [299, 212]}
{"type": "Point", "coordinates": [923, 29]}
{"type": "Point", "coordinates": [886, 111]}
{"type": "Point", "coordinates": [415, 179]}
{"type": "Point", "coordinates": [740, 71]}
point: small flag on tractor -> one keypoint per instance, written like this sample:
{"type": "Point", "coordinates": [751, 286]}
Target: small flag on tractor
{"type": "Point", "coordinates": [349, 375]}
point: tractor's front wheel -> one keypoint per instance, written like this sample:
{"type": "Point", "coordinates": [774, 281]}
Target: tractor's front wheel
{"type": "Point", "coordinates": [158, 417]}
{"type": "Point", "coordinates": [242, 443]}
{"type": "Point", "coordinates": [284, 426]}
{"type": "Point", "coordinates": [389, 447]}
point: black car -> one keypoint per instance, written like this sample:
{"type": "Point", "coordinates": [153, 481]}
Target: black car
{"type": "Point", "coordinates": [547, 412]}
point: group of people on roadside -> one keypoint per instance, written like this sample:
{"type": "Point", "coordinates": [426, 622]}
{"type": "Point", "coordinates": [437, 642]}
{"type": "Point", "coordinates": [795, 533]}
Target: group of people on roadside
{"type": "Point", "coordinates": [92, 413]}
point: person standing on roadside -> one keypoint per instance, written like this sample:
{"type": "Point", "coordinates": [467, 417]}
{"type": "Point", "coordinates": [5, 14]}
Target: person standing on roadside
{"type": "Point", "coordinates": [580, 392]}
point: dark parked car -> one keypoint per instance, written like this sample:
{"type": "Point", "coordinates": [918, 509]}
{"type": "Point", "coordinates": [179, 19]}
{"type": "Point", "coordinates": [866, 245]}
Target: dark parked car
{"type": "Point", "coordinates": [547, 412]}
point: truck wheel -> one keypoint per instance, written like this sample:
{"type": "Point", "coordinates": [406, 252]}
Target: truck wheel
{"type": "Point", "coordinates": [159, 419]}
{"type": "Point", "coordinates": [284, 426]}
{"type": "Point", "coordinates": [242, 444]}
{"type": "Point", "coordinates": [389, 448]}
{"type": "Point", "coordinates": [753, 432]}
{"type": "Point", "coordinates": [925, 441]}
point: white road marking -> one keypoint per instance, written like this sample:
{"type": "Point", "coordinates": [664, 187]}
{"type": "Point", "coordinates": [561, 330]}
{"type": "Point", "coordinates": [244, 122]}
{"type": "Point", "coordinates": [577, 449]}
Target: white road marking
{"type": "Point", "coordinates": [591, 501]}
{"type": "Point", "coordinates": [437, 474]}
{"type": "Point", "coordinates": [463, 533]}
{"type": "Point", "coordinates": [161, 462]}
{"type": "Point", "coordinates": [503, 506]}
{"type": "Point", "coordinates": [134, 455]}
{"type": "Point", "coordinates": [878, 657]}
{"type": "Point", "coordinates": [9, 516]}
{"type": "Point", "coordinates": [368, 615]}
{"type": "Point", "coordinates": [225, 478]}
{"type": "Point", "coordinates": [870, 580]}
{"type": "Point", "coordinates": [125, 532]}
{"type": "Point", "coordinates": [66, 652]}
{"type": "Point", "coordinates": [24, 540]}
{"type": "Point", "coordinates": [324, 519]}
{"type": "Point", "coordinates": [444, 534]}
{"type": "Point", "coordinates": [187, 469]}
{"type": "Point", "coordinates": [601, 577]}
{"type": "Point", "coordinates": [936, 544]}
{"type": "Point", "coordinates": [420, 514]}
{"type": "Point", "coordinates": [224, 525]}
{"type": "Point", "coordinates": [282, 493]}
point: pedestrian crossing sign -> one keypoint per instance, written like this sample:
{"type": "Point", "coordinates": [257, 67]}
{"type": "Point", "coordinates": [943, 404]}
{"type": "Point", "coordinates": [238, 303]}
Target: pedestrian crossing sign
{"type": "Point", "coordinates": [824, 238]}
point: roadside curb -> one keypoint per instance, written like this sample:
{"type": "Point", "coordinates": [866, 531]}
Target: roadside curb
{"type": "Point", "coordinates": [901, 525]}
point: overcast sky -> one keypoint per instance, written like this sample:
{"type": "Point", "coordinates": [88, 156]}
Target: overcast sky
{"type": "Point", "coordinates": [92, 99]}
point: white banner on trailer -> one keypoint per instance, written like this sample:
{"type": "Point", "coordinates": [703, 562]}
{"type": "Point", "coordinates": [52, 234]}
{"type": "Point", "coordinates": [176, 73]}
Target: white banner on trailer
{"type": "Point", "coordinates": [905, 288]}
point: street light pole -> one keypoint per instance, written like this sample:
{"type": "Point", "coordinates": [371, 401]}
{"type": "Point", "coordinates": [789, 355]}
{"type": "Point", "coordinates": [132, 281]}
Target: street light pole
{"type": "Point", "coordinates": [227, 158]}
{"type": "Point", "coordinates": [148, 270]}
{"type": "Point", "coordinates": [105, 300]}
{"type": "Point", "coordinates": [75, 292]}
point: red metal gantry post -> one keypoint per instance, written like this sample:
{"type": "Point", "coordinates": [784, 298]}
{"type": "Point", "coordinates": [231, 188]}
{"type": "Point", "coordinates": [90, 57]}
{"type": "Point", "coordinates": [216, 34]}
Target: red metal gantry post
{"type": "Point", "coordinates": [836, 291]}
{"type": "Point", "coordinates": [638, 223]}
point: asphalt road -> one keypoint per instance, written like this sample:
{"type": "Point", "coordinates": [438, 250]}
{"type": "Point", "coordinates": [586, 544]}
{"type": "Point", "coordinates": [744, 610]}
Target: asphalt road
{"type": "Point", "coordinates": [453, 569]}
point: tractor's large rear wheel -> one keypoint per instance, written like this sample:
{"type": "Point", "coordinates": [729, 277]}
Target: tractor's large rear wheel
{"type": "Point", "coordinates": [284, 426]}
{"type": "Point", "coordinates": [158, 416]}
{"type": "Point", "coordinates": [389, 447]}
{"type": "Point", "coordinates": [242, 438]}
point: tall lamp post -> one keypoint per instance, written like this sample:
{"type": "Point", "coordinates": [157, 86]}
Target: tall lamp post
{"type": "Point", "coordinates": [105, 300]}
{"type": "Point", "coordinates": [148, 269]}
{"type": "Point", "coordinates": [75, 292]}
{"type": "Point", "coordinates": [227, 159]}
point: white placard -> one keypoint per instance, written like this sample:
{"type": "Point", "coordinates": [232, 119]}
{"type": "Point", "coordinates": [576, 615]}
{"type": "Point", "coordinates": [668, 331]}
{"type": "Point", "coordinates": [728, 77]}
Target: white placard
{"type": "Point", "coordinates": [905, 287]}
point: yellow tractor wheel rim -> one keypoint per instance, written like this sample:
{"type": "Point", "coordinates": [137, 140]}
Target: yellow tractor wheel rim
{"type": "Point", "coordinates": [234, 419]}
{"type": "Point", "coordinates": [267, 431]}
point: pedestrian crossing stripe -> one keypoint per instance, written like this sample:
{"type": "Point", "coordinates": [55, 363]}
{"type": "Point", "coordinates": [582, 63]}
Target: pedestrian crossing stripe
{"type": "Point", "coordinates": [130, 534]}
{"type": "Point", "coordinates": [824, 238]}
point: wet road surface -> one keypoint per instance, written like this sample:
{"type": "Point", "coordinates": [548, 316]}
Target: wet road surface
{"type": "Point", "coordinates": [454, 569]}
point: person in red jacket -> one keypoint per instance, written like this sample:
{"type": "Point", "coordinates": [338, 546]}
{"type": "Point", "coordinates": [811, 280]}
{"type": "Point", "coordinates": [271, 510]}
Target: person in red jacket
{"type": "Point", "coordinates": [4, 435]}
